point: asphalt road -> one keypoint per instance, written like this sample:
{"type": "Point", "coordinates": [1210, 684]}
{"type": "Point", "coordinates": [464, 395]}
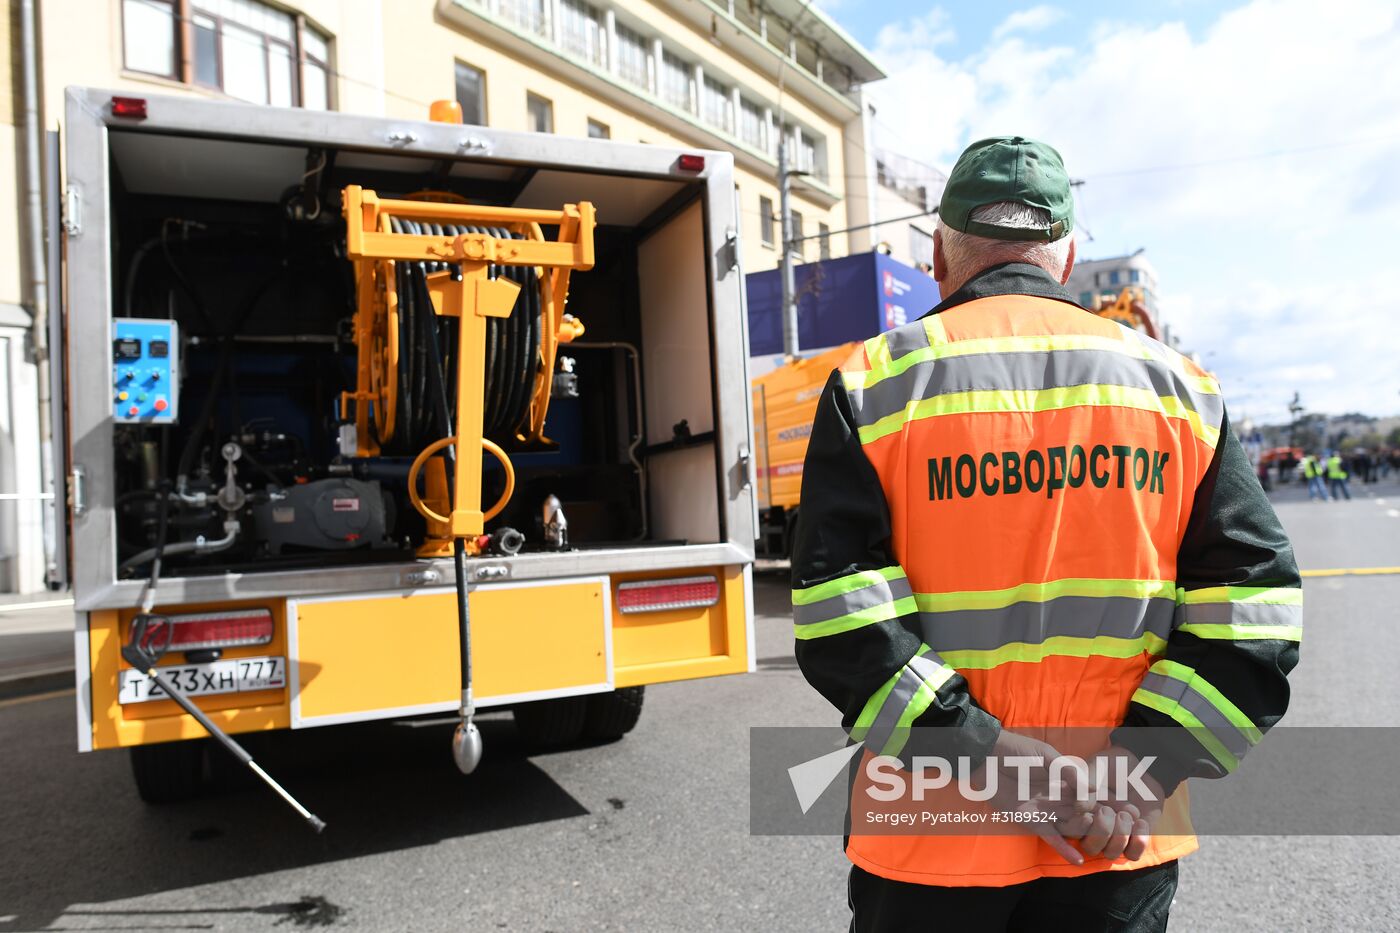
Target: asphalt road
{"type": "Point", "coordinates": [649, 833]}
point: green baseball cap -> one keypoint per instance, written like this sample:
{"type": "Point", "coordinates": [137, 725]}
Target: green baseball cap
{"type": "Point", "coordinates": [1008, 168]}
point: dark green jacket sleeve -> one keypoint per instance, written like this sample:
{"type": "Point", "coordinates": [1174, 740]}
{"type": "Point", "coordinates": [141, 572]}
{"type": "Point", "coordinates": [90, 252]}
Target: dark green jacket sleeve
{"type": "Point", "coordinates": [855, 619]}
{"type": "Point", "coordinates": [1223, 680]}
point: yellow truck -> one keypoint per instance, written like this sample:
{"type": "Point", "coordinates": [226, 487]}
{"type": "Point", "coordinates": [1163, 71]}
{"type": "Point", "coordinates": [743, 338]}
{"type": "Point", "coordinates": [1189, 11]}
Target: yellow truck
{"type": "Point", "coordinates": [784, 402]}
{"type": "Point", "coordinates": [337, 451]}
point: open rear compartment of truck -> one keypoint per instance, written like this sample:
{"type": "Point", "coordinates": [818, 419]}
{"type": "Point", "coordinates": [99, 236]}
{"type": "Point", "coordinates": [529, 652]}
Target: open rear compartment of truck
{"type": "Point", "coordinates": [210, 338]}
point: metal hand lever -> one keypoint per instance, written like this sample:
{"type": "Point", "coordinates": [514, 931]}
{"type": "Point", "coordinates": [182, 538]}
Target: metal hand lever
{"type": "Point", "coordinates": [144, 652]}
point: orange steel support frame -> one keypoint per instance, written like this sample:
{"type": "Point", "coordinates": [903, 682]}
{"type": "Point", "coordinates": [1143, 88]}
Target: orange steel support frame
{"type": "Point", "coordinates": [472, 299]}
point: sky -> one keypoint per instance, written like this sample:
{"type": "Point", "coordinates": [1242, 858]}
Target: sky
{"type": "Point", "coordinates": [1252, 149]}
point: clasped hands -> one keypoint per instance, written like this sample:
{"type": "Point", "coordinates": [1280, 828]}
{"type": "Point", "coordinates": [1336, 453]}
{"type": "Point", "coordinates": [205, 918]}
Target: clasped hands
{"type": "Point", "coordinates": [1119, 825]}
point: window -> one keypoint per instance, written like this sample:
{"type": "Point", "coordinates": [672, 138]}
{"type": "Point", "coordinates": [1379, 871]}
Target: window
{"type": "Point", "coordinates": [471, 94]}
{"type": "Point", "coordinates": [148, 36]}
{"type": "Point", "coordinates": [824, 240]}
{"type": "Point", "coordinates": [541, 114]}
{"type": "Point", "coordinates": [799, 248]}
{"type": "Point", "coordinates": [716, 108]}
{"type": "Point", "coordinates": [751, 123]}
{"type": "Point", "coordinates": [920, 246]}
{"type": "Point", "coordinates": [633, 52]}
{"type": "Point", "coordinates": [765, 220]}
{"type": "Point", "coordinates": [675, 81]}
{"type": "Point", "coordinates": [1113, 277]}
{"type": "Point", "coordinates": [598, 130]}
{"type": "Point", "coordinates": [1134, 276]}
{"type": "Point", "coordinates": [579, 33]}
{"type": "Point", "coordinates": [316, 71]}
{"type": "Point", "coordinates": [527, 14]}
{"type": "Point", "coordinates": [244, 48]}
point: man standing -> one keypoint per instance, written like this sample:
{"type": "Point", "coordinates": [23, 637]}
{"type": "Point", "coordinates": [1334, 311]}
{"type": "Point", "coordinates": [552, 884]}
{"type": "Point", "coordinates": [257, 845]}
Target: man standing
{"type": "Point", "coordinates": [1017, 515]}
{"type": "Point", "coordinates": [1337, 476]}
{"type": "Point", "coordinates": [1312, 471]}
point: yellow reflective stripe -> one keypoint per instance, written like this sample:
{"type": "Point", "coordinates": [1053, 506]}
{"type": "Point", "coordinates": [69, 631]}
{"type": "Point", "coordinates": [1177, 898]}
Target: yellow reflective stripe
{"type": "Point", "coordinates": [872, 708]}
{"type": "Point", "coordinates": [921, 701]}
{"type": "Point", "coordinates": [1271, 595]}
{"type": "Point", "coordinates": [854, 620]}
{"type": "Point", "coordinates": [877, 351]}
{"type": "Point", "coordinates": [940, 347]}
{"type": "Point", "coordinates": [993, 401]}
{"type": "Point", "coordinates": [1042, 592]}
{"type": "Point", "coordinates": [1205, 688]}
{"type": "Point", "coordinates": [1203, 735]}
{"type": "Point", "coordinates": [1061, 646]}
{"type": "Point", "coordinates": [842, 585]}
{"type": "Point", "coordinates": [1242, 632]}
{"type": "Point", "coordinates": [937, 333]}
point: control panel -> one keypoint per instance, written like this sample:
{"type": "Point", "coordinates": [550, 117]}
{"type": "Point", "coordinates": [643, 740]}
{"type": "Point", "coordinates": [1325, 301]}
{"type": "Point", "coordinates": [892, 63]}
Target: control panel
{"type": "Point", "coordinates": [145, 371]}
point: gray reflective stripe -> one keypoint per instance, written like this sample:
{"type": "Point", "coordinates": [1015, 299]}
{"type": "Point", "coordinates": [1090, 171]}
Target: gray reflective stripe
{"type": "Point", "coordinates": [867, 597]}
{"type": "Point", "coordinates": [1187, 698]}
{"type": "Point", "coordinates": [926, 667]}
{"type": "Point", "coordinates": [911, 677]}
{"type": "Point", "coordinates": [906, 339]}
{"type": "Point", "coordinates": [1034, 622]}
{"type": "Point", "coordinates": [1241, 614]}
{"type": "Point", "coordinates": [1018, 371]}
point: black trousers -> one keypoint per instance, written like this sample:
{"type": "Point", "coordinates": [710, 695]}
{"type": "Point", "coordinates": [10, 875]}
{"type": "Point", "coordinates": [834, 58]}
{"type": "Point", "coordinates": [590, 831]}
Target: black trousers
{"type": "Point", "coordinates": [1119, 901]}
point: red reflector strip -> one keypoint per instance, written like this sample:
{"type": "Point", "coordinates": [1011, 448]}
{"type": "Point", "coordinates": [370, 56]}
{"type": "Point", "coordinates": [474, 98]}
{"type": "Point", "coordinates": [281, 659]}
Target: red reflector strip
{"type": "Point", "coordinates": [656, 595]}
{"type": "Point", "coordinates": [691, 163]}
{"type": "Point", "coordinates": [221, 629]}
{"type": "Point", "coordinates": [134, 107]}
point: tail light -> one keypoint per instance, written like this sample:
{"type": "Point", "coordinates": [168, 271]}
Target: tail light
{"type": "Point", "coordinates": [232, 629]}
{"type": "Point", "coordinates": [677, 593]}
{"type": "Point", "coordinates": [133, 107]}
{"type": "Point", "coordinates": [691, 163]}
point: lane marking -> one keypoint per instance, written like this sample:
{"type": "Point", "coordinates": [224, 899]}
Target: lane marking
{"type": "Point", "coordinates": [1393, 513]}
{"type": "Point", "coordinates": [1352, 572]}
{"type": "Point", "coordinates": [35, 698]}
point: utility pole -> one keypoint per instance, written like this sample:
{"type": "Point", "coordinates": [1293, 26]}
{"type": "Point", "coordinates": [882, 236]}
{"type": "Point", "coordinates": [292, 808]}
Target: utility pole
{"type": "Point", "coordinates": [789, 272]}
{"type": "Point", "coordinates": [1295, 408]}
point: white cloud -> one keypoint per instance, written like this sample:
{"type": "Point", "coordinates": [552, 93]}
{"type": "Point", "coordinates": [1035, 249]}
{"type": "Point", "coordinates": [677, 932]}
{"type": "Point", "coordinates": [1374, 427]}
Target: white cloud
{"type": "Point", "coordinates": [1032, 20]}
{"type": "Point", "coordinates": [1278, 265]}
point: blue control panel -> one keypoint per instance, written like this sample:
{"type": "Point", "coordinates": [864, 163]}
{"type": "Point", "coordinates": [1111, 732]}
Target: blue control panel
{"type": "Point", "coordinates": [145, 371]}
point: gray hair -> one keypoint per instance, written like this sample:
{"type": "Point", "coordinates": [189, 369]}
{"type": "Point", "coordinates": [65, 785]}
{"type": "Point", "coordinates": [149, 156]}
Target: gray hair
{"type": "Point", "coordinates": [967, 255]}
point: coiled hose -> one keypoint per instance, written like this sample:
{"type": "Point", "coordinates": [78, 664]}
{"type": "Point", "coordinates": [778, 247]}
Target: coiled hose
{"type": "Point", "coordinates": [512, 356]}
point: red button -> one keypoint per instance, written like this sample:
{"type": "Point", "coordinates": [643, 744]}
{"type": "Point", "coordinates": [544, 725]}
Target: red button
{"type": "Point", "coordinates": [133, 411]}
{"type": "Point", "coordinates": [162, 404]}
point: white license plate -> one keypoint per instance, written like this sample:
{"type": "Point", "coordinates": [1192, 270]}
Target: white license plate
{"type": "Point", "coordinates": [232, 676]}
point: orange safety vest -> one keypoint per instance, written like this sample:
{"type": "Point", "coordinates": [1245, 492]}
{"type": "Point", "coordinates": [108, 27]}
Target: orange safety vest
{"type": "Point", "coordinates": [1040, 465]}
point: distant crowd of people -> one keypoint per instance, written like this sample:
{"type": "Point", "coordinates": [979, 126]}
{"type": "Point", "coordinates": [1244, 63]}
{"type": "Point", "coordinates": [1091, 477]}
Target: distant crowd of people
{"type": "Point", "coordinates": [1327, 475]}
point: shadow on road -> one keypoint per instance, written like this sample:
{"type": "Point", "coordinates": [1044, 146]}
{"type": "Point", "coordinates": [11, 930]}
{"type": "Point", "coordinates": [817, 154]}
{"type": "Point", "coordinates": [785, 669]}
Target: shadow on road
{"type": "Point", "coordinates": [78, 835]}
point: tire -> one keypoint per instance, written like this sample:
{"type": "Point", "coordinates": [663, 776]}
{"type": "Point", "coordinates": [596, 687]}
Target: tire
{"type": "Point", "coordinates": [169, 772]}
{"type": "Point", "coordinates": [549, 723]}
{"type": "Point", "coordinates": [613, 715]}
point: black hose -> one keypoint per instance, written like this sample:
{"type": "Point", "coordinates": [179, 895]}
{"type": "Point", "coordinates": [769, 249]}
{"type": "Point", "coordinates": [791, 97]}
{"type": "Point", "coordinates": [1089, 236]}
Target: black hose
{"type": "Point", "coordinates": [139, 257]}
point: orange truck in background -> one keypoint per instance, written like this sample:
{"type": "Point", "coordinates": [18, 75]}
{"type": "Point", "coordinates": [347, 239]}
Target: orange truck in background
{"type": "Point", "coordinates": [784, 403]}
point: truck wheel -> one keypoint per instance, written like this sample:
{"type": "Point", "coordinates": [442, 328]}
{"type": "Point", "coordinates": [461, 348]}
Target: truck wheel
{"type": "Point", "coordinates": [547, 723]}
{"type": "Point", "coordinates": [169, 772]}
{"type": "Point", "coordinates": [613, 715]}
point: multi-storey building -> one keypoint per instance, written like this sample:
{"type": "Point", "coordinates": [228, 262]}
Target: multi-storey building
{"type": "Point", "coordinates": [1104, 279]}
{"type": "Point", "coordinates": [737, 75]}
{"type": "Point", "coordinates": [906, 189]}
